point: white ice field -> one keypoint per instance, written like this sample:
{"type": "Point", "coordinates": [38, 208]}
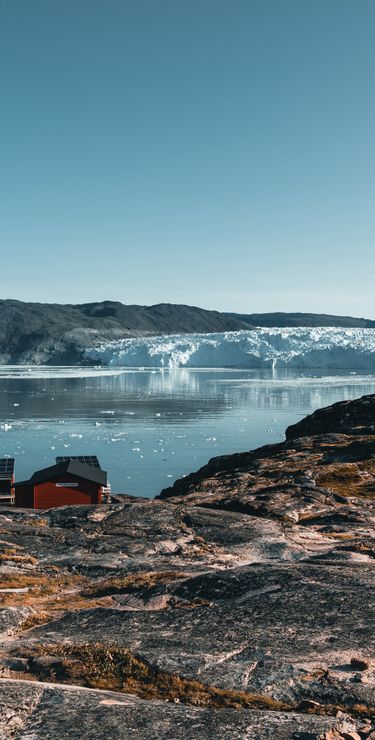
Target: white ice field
{"type": "Point", "coordinates": [304, 348]}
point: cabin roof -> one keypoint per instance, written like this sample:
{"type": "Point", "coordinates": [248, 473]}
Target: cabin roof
{"type": "Point", "coordinates": [80, 470]}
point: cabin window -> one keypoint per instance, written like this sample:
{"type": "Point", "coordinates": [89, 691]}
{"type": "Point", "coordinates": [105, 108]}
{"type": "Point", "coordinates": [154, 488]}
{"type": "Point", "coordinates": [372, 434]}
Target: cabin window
{"type": "Point", "coordinates": [69, 484]}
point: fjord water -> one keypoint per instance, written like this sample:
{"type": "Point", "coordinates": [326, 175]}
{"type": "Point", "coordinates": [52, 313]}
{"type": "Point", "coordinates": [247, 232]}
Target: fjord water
{"type": "Point", "coordinates": [149, 427]}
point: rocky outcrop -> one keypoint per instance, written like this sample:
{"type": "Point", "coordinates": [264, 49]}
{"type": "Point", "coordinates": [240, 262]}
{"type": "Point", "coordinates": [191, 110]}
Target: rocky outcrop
{"type": "Point", "coordinates": [237, 605]}
{"type": "Point", "coordinates": [324, 472]}
{"type": "Point", "coordinates": [345, 417]}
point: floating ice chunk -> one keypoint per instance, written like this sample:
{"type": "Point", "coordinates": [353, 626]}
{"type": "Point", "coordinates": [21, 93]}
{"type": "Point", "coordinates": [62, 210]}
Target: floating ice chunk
{"type": "Point", "coordinates": [16, 404]}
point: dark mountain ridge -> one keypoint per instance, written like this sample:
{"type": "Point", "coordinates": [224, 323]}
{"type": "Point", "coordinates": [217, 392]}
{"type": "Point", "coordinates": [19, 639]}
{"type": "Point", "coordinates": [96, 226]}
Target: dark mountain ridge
{"type": "Point", "coordinates": [280, 319]}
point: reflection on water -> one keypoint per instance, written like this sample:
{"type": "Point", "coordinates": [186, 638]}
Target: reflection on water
{"type": "Point", "coordinates": [150, 427]}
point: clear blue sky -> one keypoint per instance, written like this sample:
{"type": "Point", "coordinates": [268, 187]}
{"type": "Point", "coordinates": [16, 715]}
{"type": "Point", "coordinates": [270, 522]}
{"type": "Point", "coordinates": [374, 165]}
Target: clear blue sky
{"type": "Point", "coordinates": [213, 152]}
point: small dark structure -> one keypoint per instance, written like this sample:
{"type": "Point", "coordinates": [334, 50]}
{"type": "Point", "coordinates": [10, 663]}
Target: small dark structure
{"type": "Point", "coordinates": [68, 482]}
{"type": "Point", "coordinates": [85, 459]}
{"type": "Point", "coordinates": [6, 479]}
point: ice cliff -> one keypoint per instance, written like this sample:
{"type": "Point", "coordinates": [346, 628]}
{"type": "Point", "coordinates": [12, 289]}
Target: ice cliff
{"type": "Point", "coordinates": [331, 348]}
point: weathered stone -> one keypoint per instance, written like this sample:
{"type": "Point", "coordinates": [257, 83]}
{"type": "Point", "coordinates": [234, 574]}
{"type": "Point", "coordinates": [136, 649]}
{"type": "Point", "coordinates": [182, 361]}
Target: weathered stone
{"type": "Point", "coordinates": [30, 711]}
{"type": "Point", "coordinates": [359, 664]}
{"type": "Point", "coordinates": [12, 618]}
{"type": "Point", "coordinates": [345, 417]}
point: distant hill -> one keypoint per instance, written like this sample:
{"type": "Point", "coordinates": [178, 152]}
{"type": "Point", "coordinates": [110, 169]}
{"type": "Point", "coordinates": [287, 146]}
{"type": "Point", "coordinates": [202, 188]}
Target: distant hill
{"type": "Point", "coordinates": [53, 334]}
{"type": "Point", "coordinates": [301, 319]}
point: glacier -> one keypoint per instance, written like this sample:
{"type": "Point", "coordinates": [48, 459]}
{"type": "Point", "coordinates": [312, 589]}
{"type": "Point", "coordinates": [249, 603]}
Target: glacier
{"type": "Point", "coordinates": [329, 348]}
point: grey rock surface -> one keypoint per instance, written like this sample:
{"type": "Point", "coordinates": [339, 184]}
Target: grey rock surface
{"type": "Point", "coordinates": [30, 711]}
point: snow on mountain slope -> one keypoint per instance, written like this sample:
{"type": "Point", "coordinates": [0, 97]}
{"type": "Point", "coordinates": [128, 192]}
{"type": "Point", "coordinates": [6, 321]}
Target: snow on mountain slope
{"type": "Point", "coordinates": [331, 348]}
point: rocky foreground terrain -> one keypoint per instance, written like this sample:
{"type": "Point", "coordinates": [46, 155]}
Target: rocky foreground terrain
{"type": "Point", "coordinates": [239, 604]}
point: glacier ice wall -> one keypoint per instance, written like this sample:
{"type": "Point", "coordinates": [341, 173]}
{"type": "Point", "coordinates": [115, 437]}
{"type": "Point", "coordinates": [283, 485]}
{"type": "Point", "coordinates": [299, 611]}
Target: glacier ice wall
{"type": "Point", "coordinates": [330, 348]}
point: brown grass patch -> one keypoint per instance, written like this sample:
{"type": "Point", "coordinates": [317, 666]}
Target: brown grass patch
{"type": "Point", "coordinates": [35, 620]}
{"type": "Point", "coordinates": [41, 583]}
{"type": "Point", "coordinates": [56, 608]}
{"type": "Point", "coordinates": [37, 522]}
{"type": "Point", "coordinates": [131, 583]}
{"type": "Point", "coordinates": [50, 595]}
{"type": "Point", "coordinates": [113, 668]}
{"type": "Point", "coordinates": [15, 556]}
{"type": "Point", "coordinates": [346, 479]}
{"type": "Point", "coordinates": [362, 548]}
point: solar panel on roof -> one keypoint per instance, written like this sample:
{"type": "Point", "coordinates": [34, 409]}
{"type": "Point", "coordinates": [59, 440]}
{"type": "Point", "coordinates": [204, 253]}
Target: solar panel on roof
{"type": "Point", "coordinates": [85, 459]}
{"type": "Point", "coordinates": [6, 467]}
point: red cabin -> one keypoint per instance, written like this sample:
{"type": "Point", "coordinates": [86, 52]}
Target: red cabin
{"type": "Point", "coordinates": [69, 482]}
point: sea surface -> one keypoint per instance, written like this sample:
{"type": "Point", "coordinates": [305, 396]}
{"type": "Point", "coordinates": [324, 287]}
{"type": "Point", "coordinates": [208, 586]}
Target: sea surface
{"type": "Point", "coordinates": [149, 427]}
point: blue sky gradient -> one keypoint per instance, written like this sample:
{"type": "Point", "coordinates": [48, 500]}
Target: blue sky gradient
{"type": "Point", "coordinates": [210, 152]}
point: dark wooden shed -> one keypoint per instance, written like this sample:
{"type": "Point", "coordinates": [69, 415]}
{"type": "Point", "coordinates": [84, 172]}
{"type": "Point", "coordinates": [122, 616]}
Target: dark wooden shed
{"type": "Point", "coordinates": [6, 479]}
{"type": "Point", "coordinates": [68, 482]}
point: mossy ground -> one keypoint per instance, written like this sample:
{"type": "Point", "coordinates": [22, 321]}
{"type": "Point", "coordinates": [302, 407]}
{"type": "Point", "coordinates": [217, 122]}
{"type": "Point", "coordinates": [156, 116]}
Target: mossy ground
{"type": "Point", "coordinates": [132, 582]}
{"type": "Point", "coordinates": [113, 668]}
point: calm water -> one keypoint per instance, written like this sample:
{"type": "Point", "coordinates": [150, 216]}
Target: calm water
{"type": "Point", "coordinates": [150, 427]}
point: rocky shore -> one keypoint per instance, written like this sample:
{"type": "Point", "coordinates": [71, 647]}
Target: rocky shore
{"type": "Point", "coordinates": [238, 604]}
